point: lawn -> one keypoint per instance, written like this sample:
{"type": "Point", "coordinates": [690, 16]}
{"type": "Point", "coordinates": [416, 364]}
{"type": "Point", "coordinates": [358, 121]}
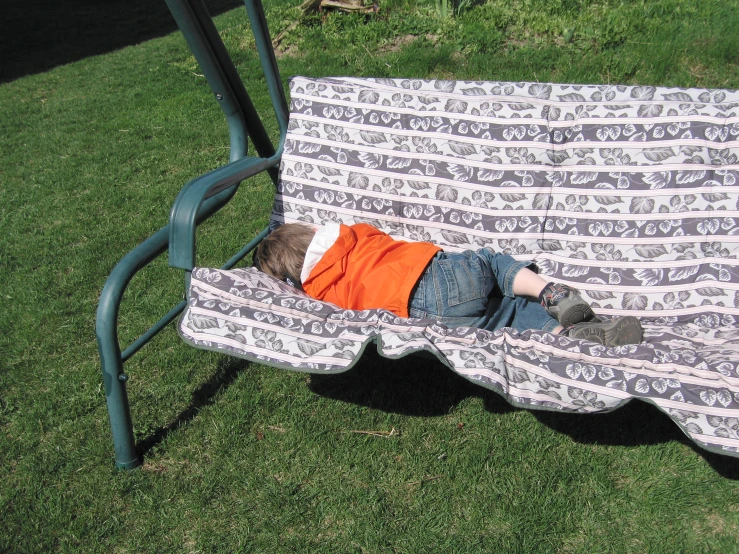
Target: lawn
{"type": "Point", "coordinates": [393, 456]}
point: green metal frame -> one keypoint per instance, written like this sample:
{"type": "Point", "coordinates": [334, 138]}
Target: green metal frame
{"type": "Point", "coordinates": [198, 199]}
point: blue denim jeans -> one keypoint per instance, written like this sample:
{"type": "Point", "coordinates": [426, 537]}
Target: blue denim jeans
{"type": "Point", "coordinates": [475, 289]}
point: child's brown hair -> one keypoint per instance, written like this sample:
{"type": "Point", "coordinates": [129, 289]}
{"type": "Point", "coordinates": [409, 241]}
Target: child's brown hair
{"type": "Point", "coordinates": [282, 253]}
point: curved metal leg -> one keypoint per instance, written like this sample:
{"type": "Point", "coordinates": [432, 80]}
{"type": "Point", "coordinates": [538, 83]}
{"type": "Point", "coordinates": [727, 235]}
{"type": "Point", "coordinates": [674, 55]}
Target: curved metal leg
{"type": "Point", "coordinates": [106, 327]}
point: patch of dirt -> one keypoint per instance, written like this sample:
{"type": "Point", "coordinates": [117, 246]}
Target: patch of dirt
{"type": "Point", "coordinates": [399, 42]}
{"type": "Point", "coordinates": [287, 50]}
{"type": "Point", "coordinates": [458, 57]}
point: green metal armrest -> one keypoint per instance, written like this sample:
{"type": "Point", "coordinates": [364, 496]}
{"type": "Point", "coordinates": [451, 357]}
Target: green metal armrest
{"type": "Point", "coordinates": [184, 215]}
{"type": "Point", "coordinates": [203, 40]}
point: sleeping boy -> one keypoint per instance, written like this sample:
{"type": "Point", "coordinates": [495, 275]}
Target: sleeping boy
{"type": "Point", "coordinates": [359, 267]}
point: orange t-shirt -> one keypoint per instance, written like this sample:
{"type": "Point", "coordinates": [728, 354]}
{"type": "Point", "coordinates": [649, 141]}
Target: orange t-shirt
{"type": "Point", "coordinates": [366, 268]}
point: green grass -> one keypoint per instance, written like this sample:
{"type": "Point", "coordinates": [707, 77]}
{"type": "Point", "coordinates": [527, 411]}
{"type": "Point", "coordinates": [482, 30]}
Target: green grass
{"type": "Point", "coordinates": [243, 457]}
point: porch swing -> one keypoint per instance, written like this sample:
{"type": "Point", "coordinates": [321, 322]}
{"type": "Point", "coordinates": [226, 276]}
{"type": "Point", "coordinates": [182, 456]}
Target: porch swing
{"type": "Point", "coordinates": [628, 193]}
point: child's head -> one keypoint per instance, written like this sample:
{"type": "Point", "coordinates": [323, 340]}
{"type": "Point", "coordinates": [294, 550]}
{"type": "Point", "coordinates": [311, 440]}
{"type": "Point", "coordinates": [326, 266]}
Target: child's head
{"type": "Point", "coordinates": [282, 253]}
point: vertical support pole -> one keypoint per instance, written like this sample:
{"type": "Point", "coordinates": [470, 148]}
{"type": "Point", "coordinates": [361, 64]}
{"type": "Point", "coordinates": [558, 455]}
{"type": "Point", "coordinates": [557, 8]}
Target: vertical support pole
{"type": "Point", "coordinates": [106, 329]}
{"type": "Point", "coordinates": [119, 413]}
{"type": "Point", "coordinates": [269, 66]}
{"type": "Point", "coordinates": [203, 40]}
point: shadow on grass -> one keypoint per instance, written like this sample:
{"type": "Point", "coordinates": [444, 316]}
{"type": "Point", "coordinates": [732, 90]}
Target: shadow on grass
{"type": "Point", "coordinates": [423, 387]}
{"type": "Point", "coordinates": [413, 385]}
{"type": "Point", "coordinates": [36, 36]}
{"type": "Point", "coordinates": [635, 424]}
{"type": "Point", "coordinates": [418, 386]}
{"type": "Point", "coordinates": [205, 395]}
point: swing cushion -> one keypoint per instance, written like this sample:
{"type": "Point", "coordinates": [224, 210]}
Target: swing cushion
{"type": "Point", "coordinates": [628, 193]}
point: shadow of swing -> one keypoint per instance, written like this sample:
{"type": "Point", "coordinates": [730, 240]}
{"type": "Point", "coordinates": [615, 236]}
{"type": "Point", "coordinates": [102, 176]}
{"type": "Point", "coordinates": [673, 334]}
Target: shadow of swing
{"type": "Point", "coordinates": [205, 395]}
{"type": "Point", "coordinates": [423, 387]}
{"type": "Point", "coordinates": [419, 386]}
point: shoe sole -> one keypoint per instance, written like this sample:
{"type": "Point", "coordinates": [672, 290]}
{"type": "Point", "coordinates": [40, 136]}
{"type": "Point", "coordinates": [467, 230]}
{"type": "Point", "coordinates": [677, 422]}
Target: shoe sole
{"type": "Point", "coordinates": [617, 332]}
{"type": "Point", "coordinates": [574, 310]}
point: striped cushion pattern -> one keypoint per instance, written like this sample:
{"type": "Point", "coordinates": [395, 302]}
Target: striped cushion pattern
{"type": "Point", "coordinates": [628, 193]}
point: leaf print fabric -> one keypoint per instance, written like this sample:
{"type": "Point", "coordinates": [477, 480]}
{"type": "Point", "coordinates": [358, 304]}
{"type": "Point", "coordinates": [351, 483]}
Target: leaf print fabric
{"type": "Point", "coordinates": [629, 194]}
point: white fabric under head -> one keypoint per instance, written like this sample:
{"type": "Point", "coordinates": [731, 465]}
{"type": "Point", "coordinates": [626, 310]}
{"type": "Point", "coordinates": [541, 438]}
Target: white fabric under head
{"type": "Point", "coordinates": [324, 239]}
